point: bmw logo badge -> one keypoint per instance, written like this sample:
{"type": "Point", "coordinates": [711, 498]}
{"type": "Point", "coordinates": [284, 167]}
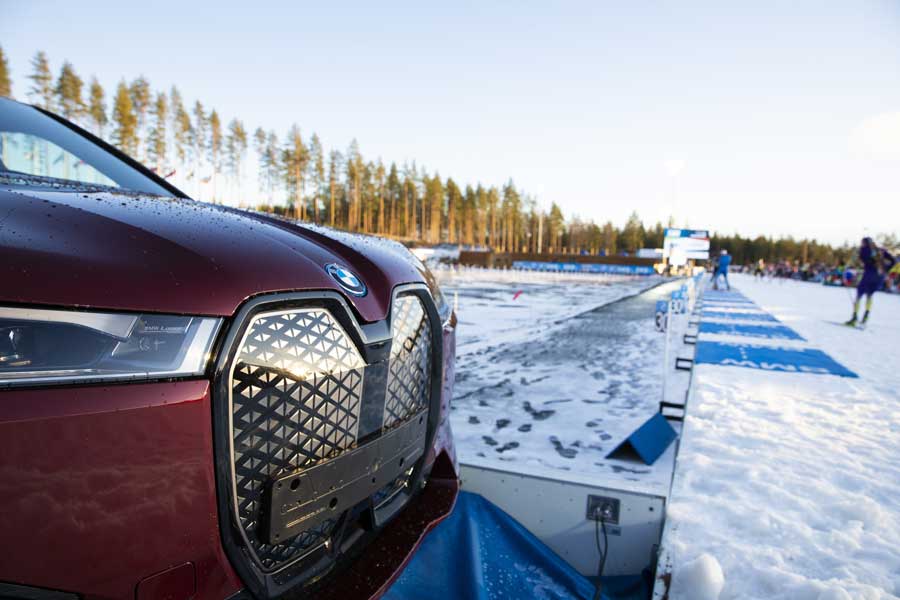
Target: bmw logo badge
{"type": "Point", "coordinates": [347, 279]}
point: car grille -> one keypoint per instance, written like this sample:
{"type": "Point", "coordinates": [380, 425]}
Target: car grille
{"type": "Point", "coordinates": [300, 390]}
{"type": "Point", "coordinates": [409, 369]}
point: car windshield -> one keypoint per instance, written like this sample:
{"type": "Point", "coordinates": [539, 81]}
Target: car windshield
{"type": "Point", "coordinates": [36, 150]}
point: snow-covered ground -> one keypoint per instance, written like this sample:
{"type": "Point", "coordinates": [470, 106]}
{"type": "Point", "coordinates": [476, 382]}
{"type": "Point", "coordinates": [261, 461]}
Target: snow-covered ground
{"type": "Point", "coordinates": [788, 484]}
{"type": "Point", "coordinates": [547, 382]}
{"type": "Point", "coordinates": [498, 307]}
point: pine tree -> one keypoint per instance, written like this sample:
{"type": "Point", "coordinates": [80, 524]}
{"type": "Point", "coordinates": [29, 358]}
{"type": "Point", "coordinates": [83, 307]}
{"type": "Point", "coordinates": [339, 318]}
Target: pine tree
{"type": "Point", "coordinates": [482, 209]}
{"type": "Point", "coordinates": [494, 208]}
{"type": "Point", "coordinates": [125, 133]}
{"type": "Point", "coordinates": [273, 166]}
{"type": "Point", "coordinates": [410, 201]}
{"type": "Point", "coordinates": [215, 149]}
{"type": "Point", "coordinates": [259, 144]}
{"type": "Point", "coordinates": [41, 91]}
{"type": "Point", "coordinates": [436, 206]}
{"type": "Point", "coordinates": [141, 97]}
{"type": "Point", "coordinates": [156, 139]}
{"type": "Point", "coordinates": [556, 225]}
{"type": "Point", "coordinates": [68, 93]}
{"type": "Point", "coordinates": [236, 148]}
{"type": "Point", "coordinates": [379, 191]}
{"type": "Point", "coordinates": [182, 131]}
{"type": "Point", "coordinates": [511, 217]}
{"type": "Point", "coordinates": [393, 192]}
{"type": "Point", "coordinates": [633, 234]}
{"type": "Point", "coordinates": [294, 160]}
{"type": "Point", "coordinates": [334, 169]}
{"type": "Point", "coordinates": [97, 107]}
{"type": "Point", "coordinates": [317, 172]}
{"type": "Point", "coordinates": [5, 82]}
{"type": "Point", "coordinates": [470, 201]}
{"type": "Point", "coordinates": [199, 141]}
{"type": "Point", "coordinates": [609, 237]}
{"type": "Point", "coordinates": [354, 182]}
{"type": "Point", "coordinates": [454, 200]}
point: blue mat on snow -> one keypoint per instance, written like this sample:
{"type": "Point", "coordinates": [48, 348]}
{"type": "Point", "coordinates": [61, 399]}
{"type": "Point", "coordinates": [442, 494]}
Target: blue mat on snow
{"type": "Point", "coordinates": [727, 299]}
{"type": "Point", "coordinates": [770, 359]}
{"type": "Point", "coordinates": [731, 306]}
{"type": "Point", "coordinates": [775, 332]}
{"type": "Point", "coordinates": [735, 316]}
{"type": "Point", "coordinates": [479, 552]}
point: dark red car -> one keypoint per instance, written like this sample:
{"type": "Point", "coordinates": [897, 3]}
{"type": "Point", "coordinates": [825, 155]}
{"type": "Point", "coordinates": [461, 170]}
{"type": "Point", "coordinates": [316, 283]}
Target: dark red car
{"type": "Point", "coordinates": [201, 402]}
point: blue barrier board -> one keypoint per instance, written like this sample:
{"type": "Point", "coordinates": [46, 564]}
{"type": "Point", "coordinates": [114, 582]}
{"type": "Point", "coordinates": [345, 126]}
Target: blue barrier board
{"type": "Point", "coordinates": [648, 441]}
{"type": "Point", "coordinates": [735, 316]}
{"type": "Point", "coordinates": [770, 359]}
{"type": "Point", "coordinates": [558, 267]}
{"type": "Point", "coordinates": [777, 332]}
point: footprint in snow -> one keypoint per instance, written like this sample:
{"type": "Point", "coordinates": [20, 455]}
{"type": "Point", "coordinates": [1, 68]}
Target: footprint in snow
{"type": "Point", "coordinates": [564, 452]}
{"type": "Point", "coordinates": [507, 446]}
{"type": "Point", "coordinates": [537, 415]}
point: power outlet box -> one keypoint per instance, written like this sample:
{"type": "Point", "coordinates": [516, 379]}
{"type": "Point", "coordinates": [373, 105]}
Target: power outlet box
{"type": "Point", "coordinates": [605, 506]}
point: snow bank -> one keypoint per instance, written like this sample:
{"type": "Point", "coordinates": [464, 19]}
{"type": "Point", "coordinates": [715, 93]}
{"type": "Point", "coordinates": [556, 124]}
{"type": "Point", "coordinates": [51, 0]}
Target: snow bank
{"type": "Point", "coordinates": [700, 579]}
{"type": "Point", "coordinates": [791, 481]}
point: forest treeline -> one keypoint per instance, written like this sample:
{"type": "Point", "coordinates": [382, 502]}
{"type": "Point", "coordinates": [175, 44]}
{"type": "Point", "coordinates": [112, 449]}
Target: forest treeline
{"type": "Point", "coordinates": [290, 173]}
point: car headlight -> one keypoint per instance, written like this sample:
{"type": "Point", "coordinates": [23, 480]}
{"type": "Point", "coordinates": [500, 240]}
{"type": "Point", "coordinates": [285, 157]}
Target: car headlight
{"type": "Point", "coordinates": [443, 307]}
{"type": "Point", "coordinates": [40, 346]}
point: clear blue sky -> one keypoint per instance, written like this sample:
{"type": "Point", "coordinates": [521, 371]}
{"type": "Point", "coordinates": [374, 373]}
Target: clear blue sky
{"type": "Point", "coordinates": [784, 115]}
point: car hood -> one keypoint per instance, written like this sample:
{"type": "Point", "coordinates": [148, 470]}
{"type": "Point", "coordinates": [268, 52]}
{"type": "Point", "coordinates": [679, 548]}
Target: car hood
{"type": "Point", "coordinates": [140, 253]}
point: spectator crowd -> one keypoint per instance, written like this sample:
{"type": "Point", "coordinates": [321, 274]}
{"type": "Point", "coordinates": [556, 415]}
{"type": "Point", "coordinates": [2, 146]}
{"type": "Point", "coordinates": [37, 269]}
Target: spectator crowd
{"type": "Point", "coordinates": [846, 274]}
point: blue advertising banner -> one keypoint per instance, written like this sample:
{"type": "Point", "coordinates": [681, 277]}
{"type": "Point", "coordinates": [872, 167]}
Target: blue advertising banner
{"type": "Point", "coordinates": [560, 267]}
{"type": "Point", "coordinates": [768, 358]}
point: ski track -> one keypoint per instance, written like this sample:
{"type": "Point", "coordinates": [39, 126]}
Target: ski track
{"type": "Point", "coordinates": [790, 483]}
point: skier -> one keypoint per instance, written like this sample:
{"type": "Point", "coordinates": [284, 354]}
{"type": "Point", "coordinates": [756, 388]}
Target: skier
{"type": "Point", "coordinates": [722, 269]}
{"type": "Point", "coordinates": [876, 263]}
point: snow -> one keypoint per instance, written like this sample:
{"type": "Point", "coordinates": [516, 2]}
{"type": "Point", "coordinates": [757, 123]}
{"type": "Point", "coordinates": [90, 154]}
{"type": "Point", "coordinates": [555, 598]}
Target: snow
{"type": "Point", "coordinates": [791, 481]}
{"type": "Point", "coordinates": [700, 579]}
{"type": "Point", "coordinates": [550, 382]}
{"type": "Point", "coordinates": [490, 316]}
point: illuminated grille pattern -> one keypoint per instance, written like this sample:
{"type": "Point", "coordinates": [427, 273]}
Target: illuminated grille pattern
{"type": "Point", "coordinates": [296, 387]}
{"type": "Point", "coordinates": [409, 371]}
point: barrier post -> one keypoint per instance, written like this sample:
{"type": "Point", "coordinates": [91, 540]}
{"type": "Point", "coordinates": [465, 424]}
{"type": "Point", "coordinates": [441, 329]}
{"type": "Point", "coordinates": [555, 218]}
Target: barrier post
{"type": "Point", "coordinates": [665, 376]}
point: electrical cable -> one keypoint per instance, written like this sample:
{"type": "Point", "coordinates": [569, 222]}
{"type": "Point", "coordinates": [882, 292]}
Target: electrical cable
{"type": "Point", "coordinates": [600, 523]}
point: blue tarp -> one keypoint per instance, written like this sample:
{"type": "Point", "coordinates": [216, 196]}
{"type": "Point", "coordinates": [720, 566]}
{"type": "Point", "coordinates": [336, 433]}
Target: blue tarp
{"type": "Point", "coordinates": [761, 331]}
{"type": "Point", "coordinates": [770, 359]}
{"type": "Point", "coordinates": [479, 553]}
{"type": "Point", "coordinates": [736, 316]}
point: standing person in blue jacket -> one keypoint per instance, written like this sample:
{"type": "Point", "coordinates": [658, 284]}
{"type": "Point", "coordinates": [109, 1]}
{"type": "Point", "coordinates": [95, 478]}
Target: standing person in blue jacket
{"type": "Point", "coordinates": [876, 263]}
{"type": "Point", "coordinates": [722, 269]}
